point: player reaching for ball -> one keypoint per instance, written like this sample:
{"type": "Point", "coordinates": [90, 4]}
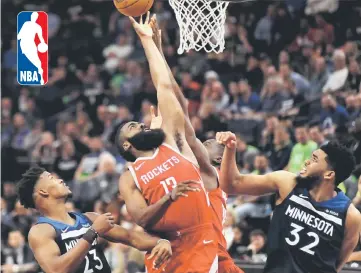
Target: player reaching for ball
{"type": "Point", "coordinates": [67, 242]}
{"type": "Point", "coordinates": [314, 227]}
{"type": "Point", "coordinates": [206, 154]}
{"type": "Point", "coordinates": [153, 190]}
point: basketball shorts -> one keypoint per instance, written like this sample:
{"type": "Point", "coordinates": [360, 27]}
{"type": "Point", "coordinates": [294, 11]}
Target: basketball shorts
{"type": "Point", "coordinates": [194, 251]}
{"type": "Point", "coordinates": [225, 262]}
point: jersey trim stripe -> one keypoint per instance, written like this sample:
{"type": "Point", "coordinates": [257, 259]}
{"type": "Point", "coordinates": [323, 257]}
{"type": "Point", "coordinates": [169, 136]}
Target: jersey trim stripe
{"type": "Point", "coordinates": [178, 152]}
{"type": "Point", "coordinates": [148, 157]}
{"type": "Point", "coordinates": [132, 172]}
{"type": "Point", "coordinates": [308, 205]}
{"type": "Point", "coordinates": [74, 233]}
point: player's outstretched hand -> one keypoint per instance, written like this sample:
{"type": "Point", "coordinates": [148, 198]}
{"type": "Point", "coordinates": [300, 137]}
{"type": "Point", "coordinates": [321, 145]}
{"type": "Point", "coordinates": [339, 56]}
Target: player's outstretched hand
{"type": "Point", "coordinates": [162, 253]}
{"type": "Point", "coordinates": [183, 187]}
{"type": "Point", "coordinates": [142, 29]}
{"type": "Point", "coordinates": [157, 33]}
{"type": "Point", "coordinates": [103, 223]}
{"type": "Point", "coordinates": [227, 138]}
{"type": "Point", "coordinates": [156, 122]}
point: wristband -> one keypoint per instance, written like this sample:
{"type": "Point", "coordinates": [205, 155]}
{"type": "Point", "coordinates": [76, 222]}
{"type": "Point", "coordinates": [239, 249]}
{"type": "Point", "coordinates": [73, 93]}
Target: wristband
{"type": "Point", "coordinates": [90, 235]}
{"type": "Point", "coordinates": [162, 240]}
{"type": "Point", "coordinates": [170, 197]}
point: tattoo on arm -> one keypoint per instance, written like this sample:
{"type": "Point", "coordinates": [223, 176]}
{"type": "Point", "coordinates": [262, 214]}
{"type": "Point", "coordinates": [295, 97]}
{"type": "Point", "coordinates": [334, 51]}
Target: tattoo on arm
{"type": "Point", "coordinates": [179, 141]}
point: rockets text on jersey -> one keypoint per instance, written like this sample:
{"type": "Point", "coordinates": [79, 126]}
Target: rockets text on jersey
{"type": "Point", "coordinates": [158, 175]}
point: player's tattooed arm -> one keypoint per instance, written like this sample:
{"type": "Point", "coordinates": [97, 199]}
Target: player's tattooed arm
{"type": "Point", "coordinates": [233, 182]}
{"type": "Point", "coordinates": [47, 253]}
{"type": "Point", "coordinates": [351, 237]}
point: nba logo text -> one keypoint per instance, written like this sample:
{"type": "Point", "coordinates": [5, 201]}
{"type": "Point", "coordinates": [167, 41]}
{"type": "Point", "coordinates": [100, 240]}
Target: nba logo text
{"type": "Point", "coordinates": [32, 40]}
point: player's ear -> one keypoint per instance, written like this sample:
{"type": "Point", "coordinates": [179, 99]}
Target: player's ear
{"type": "Point", "coordinates": [329, 175]}
{"type": "Point", "coordinates": [126, 145]}
{"type": "Point", "coordinates": [43, 193]}
{"type": "Point", "coordinates": [219, 160]}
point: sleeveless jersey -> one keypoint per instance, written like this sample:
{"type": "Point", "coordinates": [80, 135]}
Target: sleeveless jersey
{"type": "Point", "coordinates": [218, 199]}
{"type": "Point", "coordinates": [306, 236]}
{"type": "Point", "coordinates": [157, 175]}
{"type": "Point", "coordinates": [67, 237]}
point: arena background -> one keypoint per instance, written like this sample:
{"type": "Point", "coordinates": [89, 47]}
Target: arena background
{"type": "Point", "coordinates": [288, 81]}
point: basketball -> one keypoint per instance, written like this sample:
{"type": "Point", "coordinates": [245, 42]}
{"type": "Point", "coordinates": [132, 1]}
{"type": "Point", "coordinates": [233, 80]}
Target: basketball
{"type": "Point", "coordinates": [42, 47]}
{"type": "Point", "coordinates": [133, 8]}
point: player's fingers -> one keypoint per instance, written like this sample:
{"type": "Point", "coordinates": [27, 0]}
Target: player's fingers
{"type": "Point", "coordinates": [152, 112]}
{"type": "Point", "coordinates": [107, 214]}
{"type": "Point", "coordinates": [141, 19]}
{"type": "Point", "coordinates": [147, 18]}
{"type": "Point", "coordinates": [187, 182]}
{"type": "Point", "coordinates": [182, 194]}
{"type": "Point", "coordinates": [192, 189]}
{"type": "Point", "coordinates": [153, 253]}
{"type": "Point", "coordinates": [132, 20]}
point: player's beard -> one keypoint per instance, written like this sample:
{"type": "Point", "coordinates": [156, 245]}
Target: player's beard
{"type": "Point", "coordinates": [147, 140]}
{"type": "Point", "coordinates": [308, 182]}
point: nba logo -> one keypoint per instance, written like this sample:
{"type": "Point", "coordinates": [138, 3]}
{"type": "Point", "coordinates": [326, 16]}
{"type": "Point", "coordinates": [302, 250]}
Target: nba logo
{"type": "Point", "coordinates": [32, 50]}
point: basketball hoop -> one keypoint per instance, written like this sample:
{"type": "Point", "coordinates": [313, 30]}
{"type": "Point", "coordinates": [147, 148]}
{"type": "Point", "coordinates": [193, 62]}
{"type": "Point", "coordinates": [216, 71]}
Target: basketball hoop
{"type": "Point", "coordinates": [201, 24]}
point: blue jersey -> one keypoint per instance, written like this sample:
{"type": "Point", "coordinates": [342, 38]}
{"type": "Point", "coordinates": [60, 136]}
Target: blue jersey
{"type": "Point", "coordinates": [67, 237]}
{"type": "Point", "coordinates": [306, 236]}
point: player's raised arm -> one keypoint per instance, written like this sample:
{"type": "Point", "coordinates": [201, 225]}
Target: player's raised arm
{"type": "Point", "coordinates": [144, 215]}
{"type": "Point", "coordinates": [195, 144]}
{"type": "Point", "coordinates": [173, 118]}
{"type": "Point", "coordinates": [47, 253]}
{"type": "Point", "coordinates": [232, 182]}
{"type": "Point", "coordinates": [351, 237]}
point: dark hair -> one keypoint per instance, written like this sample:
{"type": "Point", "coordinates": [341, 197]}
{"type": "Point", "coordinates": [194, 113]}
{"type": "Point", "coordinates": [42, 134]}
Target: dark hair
{"type": "Point", "coordinates": [340, 159]}
{"type": "Point", "coordinates": [257, 232]}
{"type": "Point", "coordinates": [26, 184]}
{"type": "Point", "coordinates": [127, 155]}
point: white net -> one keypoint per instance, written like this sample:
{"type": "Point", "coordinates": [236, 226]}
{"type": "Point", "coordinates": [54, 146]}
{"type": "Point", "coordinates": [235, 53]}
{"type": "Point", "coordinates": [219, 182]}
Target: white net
{"type": "Point", "coordinates": [201, 24]}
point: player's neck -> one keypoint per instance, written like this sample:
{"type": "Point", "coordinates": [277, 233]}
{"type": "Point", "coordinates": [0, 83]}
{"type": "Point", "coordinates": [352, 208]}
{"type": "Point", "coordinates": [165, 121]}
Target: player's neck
{"type": "Point", "coordinates": [144, 153]}
{"type": "Point", "coordinates": [322, 192]}
{"type": "Point", "coordinates": [57, 211]}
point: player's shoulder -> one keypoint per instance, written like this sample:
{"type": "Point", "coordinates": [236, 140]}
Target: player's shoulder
{"type": "Point", "coordinates": [353, 218]}
{"type": "Point", "coordinates": [126, 180]}
{"type": "Point", "coordinates": [41, 231]}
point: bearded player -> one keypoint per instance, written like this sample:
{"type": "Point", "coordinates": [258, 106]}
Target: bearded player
{"type": "Point", "coordinates": [208, 156]}
{"type": "Point", "coordinates": [314, 227]}
{"type": "Point", "coordinates": [67, 242]}
{"type": "Point", "coordinates": [162, 159]}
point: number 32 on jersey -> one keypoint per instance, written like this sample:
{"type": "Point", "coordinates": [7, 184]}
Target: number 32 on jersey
{"type": "Point", "coordinates": [296, 239]}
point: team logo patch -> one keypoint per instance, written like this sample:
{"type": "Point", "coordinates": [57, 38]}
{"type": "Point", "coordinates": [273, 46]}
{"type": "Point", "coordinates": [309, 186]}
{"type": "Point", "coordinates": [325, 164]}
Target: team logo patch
{"type": "Point", "coordinates": [32, 53]}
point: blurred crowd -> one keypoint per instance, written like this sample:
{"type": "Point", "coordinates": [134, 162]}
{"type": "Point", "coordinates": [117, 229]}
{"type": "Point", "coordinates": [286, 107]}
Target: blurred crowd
{"type": "Point", "coordinates": [287, 82]}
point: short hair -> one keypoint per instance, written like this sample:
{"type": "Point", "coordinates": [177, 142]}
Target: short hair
{"type": "Point", "coordinates": [257, 232]}
{"type": "Point", "coordinates": [340, 159]}
{"type": "Point", "coordinates": [119, 139]}
{"type": "Point", "coordinates": [26, 184]}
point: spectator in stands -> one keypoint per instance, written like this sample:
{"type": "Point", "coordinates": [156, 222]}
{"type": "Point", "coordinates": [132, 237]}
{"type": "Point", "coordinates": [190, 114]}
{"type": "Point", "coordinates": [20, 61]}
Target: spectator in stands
{"type": "Point", "coordinates": [301, 151]}
{"type": "Point", "coordinates": [237, 242]}
{"type": "Point", "coordinates": [301, 83]}
{"type": "Point", "coordinates": [228, 227]}
{"type": "Point", "coordinates": [263, 31]}
{"type": "Point", "coordinates": [257, 245]}
{"type": "Point", "coordinates": [88, 167]}
{"type": "Point", "coordinates": [18, 256]}
{"type": "Point", "coordinates": [272, 96]}
{"type": "Point", "coordinates": [249, 101]}
{"type": "Point", "coordinates": [261, 165]}
{"type": "Point", "coordinates": [332, 113]}
{"type": "Point", "coordinates": [67, 160]}
{"type": "Point", "coordinates": [353, 81]}
{"type": "Point", "coordinates": [337, 79]}
{"type": "Point", "coordinates": [317, 136]}
{"type": "Point", "coordinates": [45, 152]}
{"type": "Point", "coordinates": [319, 78]}
{"type": "Point", "coordinates": [282, 147]}
{"type": "Point", "coordinates": [245, 154]}
{"type": "Point", "coordinates": [272, 122]}
{"type": "Point", "coordinates": [353, 106]}
{"type": "Point", "coordinates": [120, 50]}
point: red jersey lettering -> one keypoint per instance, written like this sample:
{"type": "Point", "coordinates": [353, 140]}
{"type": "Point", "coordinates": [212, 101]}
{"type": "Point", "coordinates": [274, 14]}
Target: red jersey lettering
{"type": "Point", "coordinates": [158, 175]}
